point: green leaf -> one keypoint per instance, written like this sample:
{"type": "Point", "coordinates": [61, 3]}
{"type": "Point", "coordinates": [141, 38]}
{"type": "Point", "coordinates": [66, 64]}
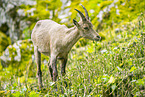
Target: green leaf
{"type": "Point", "coordinates": [140, 82]}
{"type": "Point", "coordinates": [33, 94]}
{"type": "Point", "coordinates": [90, 49]}
{"type": "Point", "coordinates": [111, 80]}
{"type": "Point", "coordinates": [113, 86]}
{"type": "Point", "coordinates": [132, 69]}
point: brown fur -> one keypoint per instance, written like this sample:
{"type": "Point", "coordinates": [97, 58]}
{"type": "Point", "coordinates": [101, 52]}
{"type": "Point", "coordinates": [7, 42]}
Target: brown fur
{"type": "Point", "coordinates": [55, 40]}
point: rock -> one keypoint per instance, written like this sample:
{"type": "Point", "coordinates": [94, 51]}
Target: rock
{"type": "Point", "coordinates": [20, 51]}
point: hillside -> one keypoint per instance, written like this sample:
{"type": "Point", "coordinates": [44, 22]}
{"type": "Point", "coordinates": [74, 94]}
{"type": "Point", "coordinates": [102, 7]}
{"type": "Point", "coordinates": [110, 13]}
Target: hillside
{"type": "Point", "coordinates": [112, 67]}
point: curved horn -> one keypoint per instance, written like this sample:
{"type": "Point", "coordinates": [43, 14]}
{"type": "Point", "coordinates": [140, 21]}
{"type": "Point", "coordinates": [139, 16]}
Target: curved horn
{"type": "Point", "coordinates": [82, 15]}
{"type": "Point", "coordinates": [86, 12]}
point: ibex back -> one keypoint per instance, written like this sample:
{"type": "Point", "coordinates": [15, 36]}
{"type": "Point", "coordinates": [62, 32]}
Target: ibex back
{"type": "Point", "coordinates": [55, 40]}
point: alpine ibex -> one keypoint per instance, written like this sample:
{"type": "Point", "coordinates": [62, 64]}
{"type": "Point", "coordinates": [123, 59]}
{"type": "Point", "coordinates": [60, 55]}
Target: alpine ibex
{"type": "Point", "coordinates": [55, 40]}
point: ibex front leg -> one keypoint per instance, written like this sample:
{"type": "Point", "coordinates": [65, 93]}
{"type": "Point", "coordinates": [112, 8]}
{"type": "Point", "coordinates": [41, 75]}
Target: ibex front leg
{"type": "Point", "coordinates": [50, 70]}
{"type": "Point", "coordinates": [38, 62]}
{"type": "Point", "coordinates": [53, 67]}
{"type": "Point", "coordinates": [63, 66]}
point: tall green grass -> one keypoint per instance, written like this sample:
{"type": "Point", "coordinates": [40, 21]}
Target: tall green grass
{"type": "Point", "coordinates": [112, 67]}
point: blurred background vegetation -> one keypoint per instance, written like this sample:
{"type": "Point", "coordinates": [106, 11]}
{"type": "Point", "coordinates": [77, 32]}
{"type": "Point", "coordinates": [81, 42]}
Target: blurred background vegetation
{"type": "Point", "coordinates": [113, 66]}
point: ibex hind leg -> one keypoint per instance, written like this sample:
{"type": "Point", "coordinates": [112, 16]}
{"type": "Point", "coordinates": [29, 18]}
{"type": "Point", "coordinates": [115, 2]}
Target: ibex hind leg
{"type": "Point", "coordinates": [53, 67]}
{"type": "Point", "coordinates": [38, 62]}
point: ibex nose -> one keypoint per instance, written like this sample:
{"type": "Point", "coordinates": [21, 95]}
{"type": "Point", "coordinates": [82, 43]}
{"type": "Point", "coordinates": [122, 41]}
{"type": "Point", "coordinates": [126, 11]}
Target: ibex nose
{"type": "Point", "coordinates": [99, 37]}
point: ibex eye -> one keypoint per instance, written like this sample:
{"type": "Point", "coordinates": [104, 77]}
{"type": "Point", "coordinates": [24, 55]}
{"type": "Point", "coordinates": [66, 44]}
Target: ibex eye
{"type": "Point", "coordinates": [86, 28]}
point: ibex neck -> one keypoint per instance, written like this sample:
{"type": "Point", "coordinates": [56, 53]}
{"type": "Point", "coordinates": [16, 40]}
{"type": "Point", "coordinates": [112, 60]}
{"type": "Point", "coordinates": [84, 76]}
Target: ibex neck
{"type": "Point", "coordinates": [72, 36]}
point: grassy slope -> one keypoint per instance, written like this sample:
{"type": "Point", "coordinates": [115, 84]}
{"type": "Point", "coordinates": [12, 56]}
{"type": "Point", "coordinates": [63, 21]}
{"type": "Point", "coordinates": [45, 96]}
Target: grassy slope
{"type": "Point", "coordinates": [114, 66]}
{"type": "Point", "coordinates": [111, 67]}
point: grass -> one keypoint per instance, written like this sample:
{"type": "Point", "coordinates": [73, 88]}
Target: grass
{"type": "Point", "coordinates": [112, 67]}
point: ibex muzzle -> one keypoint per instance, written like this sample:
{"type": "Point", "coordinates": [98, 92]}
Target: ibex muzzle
{"type": "Point", "coordinates": [55, 40]}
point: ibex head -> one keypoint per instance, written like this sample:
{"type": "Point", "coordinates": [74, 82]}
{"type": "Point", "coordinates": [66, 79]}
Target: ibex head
{"type": "Point", "coordinates": [85, 27]}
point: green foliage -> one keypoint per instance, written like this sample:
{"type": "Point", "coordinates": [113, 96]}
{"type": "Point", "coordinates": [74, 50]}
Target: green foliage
{"type": "Point", "coordinates": [42, 10]}
{"type": "Point", "coordinates": [128, 10]}
{"type": "Point", "coordinates": [4, 41]}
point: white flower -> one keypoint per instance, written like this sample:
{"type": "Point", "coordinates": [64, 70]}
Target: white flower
{"type": "Point", "coordinates": [104, 51]}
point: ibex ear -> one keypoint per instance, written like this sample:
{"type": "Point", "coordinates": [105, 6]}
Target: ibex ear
{"type": "Point", "coordinates": [76, 23]}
